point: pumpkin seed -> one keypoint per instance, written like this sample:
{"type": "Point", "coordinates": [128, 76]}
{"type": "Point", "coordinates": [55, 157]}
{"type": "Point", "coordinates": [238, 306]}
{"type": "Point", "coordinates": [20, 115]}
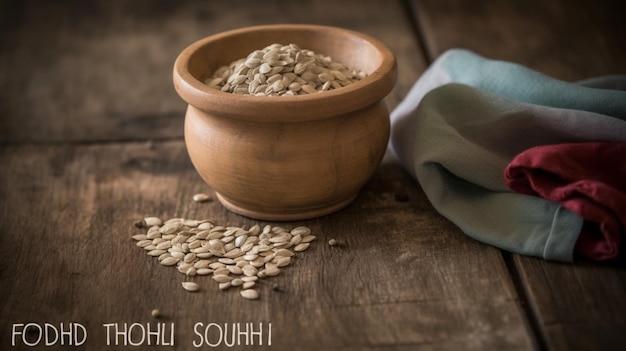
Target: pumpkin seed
{"type": "Point", "coordinates": [282, 70]}
{"type": "Point", "coordinates": [190, 286]}
{"type": "Point", "coordinates": [152, 221]}
{"type": "Point", "coordinates": [222, 278]}
{"type": "Point", "coordinates": [169, 261]}
{"type": "Point", "coordinates": [301, 247]}
{"type": "Point", "coordinates": [249, 294]}
{"type": "Point", "coordinates": [199, 247]}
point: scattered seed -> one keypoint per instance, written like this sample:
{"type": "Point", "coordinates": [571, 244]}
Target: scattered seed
{"type": "Point", "coordinates": [164, 245]}
{"type": "Point", "coordinates": [178, 254]}
{"type": "Point", "coordinates": [280, 238]}
{"type": "Point", "coordinates": [140, 237]}
{"type": "Point", "coordinates": [247, 247]}
{"type": "Point", "coordinates": [284, 253]}
{"type": "Point", "coordinates": [255, 230]}
{"type": "Point", "coordinates": [153, 234]}
{"type": "Point", "coordinates": [201, 197]}
{"type": "Point", "coordinates": [155, 313]}
{"type": "Point", "coordinates": [250, 257]}
{"type": "Point", "coordinates": [271, 271]}
{"type": "Point", "coordinates": [283, 261]}
{"type": "Point", "coordinates": [234, 253]}
{"type": "Point", "coordinates": [235, 270]}
{"type": "Point", "coordinates": [227, 239]}
{"type": "Point", "coordinates": [190, 286]}
{"type": "Point", "coordinates": [221, 271]}
{"type": "Point", "coordinates": [152, 221]}
{"type": "Point", "coordinates": [250, 294]}
{"type": "Point", "coordinates": [222, 278]}
{"type": "Point", "coordinates": [204, 271]}
{"type": "Point", "coordinates": [169, 261]}
{"type": "Point", "coordinates": [258, 262]}
{"type": "Point", "coordinates": [308, 238]}
{"type": "Point", "coordinates": [226, 260]}
{"type": "Point", "coordinates": [201, 263]}
{"type": "Point", "coordinates": [216, 265]}
{"type": "Point", "coordinates": [156, 252]}
{"type": "Point", "coordinates": [303, 231]}
{"type": "Point", "coordinates": [205, 225]}
{"type": "Point", "coordinates": [332, 242]}
{"type": "Point", "coordinates": [144, 243]}
{"type": "Point", "coordinates": [301, 247]}
{"type": "Point", "coordinates": [240, 240]}
{"type": "Point", "coordinates": [157, 241]}
{"type": "Point", "coordinates": [250, 270]}
{"type": "Point", "coordinates": [183, 267]}
{"type": "Point", "coordinates": [169, 228]}
{"type": "Point", "coordinates": [233, 256]}
{"type": "Point", "coordinates": [296, 239]}
{"type": "Point", "coordinates": [190, 258]}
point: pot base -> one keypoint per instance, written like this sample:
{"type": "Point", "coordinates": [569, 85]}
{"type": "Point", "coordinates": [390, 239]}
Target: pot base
{"type": "Point", "coordinates": [286, 215]}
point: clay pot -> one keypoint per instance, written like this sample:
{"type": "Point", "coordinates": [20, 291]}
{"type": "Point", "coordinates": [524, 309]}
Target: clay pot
{"type": "Point", "coordinates": [286, 157]}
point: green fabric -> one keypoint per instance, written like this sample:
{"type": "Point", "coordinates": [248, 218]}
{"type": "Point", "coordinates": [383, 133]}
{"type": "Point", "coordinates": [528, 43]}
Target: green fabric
{"type": "Point", "coordinates": [456, 139]}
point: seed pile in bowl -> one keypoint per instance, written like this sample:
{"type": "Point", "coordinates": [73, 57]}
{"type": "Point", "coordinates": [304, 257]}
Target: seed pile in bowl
{"type": "Point", "coordinates": [278, 70]}
{"type": "Point", "coordinates": [233, 256]}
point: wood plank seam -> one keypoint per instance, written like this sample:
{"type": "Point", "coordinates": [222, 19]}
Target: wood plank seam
{"type": "Point", "coordinates": [420, 41]}
{"type": "Point", "coordinates": [527, 305]}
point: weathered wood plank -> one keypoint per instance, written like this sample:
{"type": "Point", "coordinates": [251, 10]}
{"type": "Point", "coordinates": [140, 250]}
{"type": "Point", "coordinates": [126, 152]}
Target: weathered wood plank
{"type": "Point", "coordinates": [101, 69]}
{"type": "Point", "coordinates": [581, 306]}
{"type": "Point", "coordinates": [404, 278]}
{"type": "Point", "coordinates": [569, 40]}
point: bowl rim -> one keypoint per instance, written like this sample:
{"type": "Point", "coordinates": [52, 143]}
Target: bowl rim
{"type": "Point", "coordinates": [369, 90]}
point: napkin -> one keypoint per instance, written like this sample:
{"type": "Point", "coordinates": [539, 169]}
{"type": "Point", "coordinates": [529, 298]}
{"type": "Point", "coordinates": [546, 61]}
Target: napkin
{"type": "Point", "coordinates": [588, 179]}
{"type": "Point", "coordinates": [468, 117]}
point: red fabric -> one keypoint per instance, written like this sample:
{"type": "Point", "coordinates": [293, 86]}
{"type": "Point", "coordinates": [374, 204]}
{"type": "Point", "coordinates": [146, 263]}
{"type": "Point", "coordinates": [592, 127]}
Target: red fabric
{"type": "Point", "coordinates": [588, 179]}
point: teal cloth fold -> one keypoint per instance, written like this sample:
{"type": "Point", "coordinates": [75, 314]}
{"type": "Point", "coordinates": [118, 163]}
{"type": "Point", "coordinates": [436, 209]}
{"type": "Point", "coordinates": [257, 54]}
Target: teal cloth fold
{"type": "Point", "coordinates": [467, 117]}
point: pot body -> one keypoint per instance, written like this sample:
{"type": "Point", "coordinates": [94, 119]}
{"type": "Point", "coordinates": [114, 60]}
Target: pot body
{"type": "Point", "coordinates": [286, 157]}
{"type": "Point", "coordinates": [287, 170]}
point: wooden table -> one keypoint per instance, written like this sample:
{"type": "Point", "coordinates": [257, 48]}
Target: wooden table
{"type": "Point", "coordinates": [91, 141]}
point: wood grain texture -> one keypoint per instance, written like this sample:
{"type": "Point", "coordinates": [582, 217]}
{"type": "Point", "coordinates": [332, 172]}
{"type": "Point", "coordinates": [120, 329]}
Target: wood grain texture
{"type": "Point", "coordinates": [102, 70]}
{"type": "Point", "coordinates": [403, 277]}
{"type": "Point", "coordinates": [569, 40]}
{"type": "Point", "coordinates": [579, 307]}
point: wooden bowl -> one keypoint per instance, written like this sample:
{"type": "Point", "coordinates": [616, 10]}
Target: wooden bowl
{"type": "Point", "coordinates": [286, 157]}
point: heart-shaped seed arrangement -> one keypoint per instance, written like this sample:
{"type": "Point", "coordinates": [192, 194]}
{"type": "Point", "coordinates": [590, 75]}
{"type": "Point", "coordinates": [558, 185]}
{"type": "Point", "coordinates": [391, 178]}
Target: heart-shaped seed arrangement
{"type": "Point", "coordinates": [233, 256]}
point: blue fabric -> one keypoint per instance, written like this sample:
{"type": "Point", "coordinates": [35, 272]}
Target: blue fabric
{"type": "Point", "coordinates": [467, 117]}
{"type": "Point", "coordinates": [525, 85]}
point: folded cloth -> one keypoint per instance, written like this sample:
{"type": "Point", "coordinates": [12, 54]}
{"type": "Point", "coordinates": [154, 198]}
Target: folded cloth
{"type": "Point", "coordinates": [588, 179]}
{"type": "Point", "coordinates": [457, 139]}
